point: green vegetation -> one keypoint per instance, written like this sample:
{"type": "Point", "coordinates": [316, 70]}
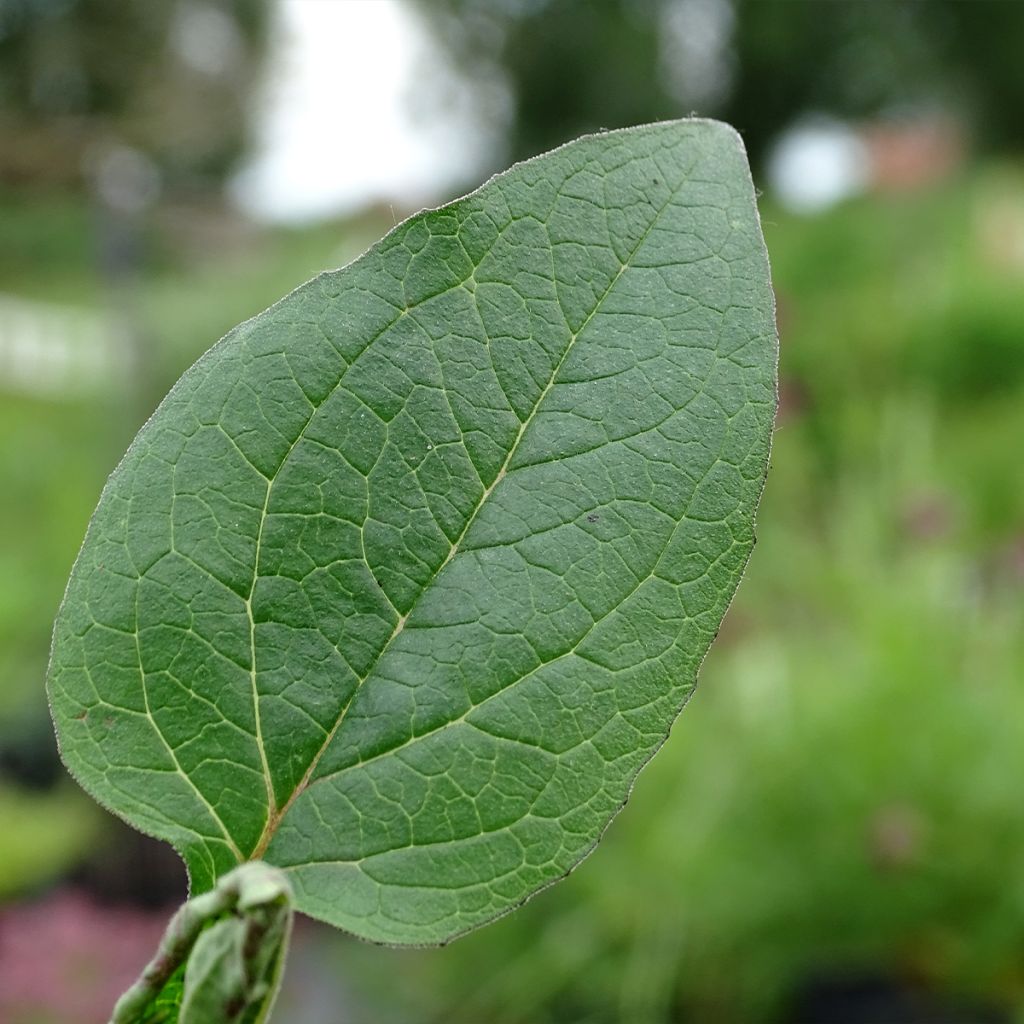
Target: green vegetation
{"type": "Point", "coordinates": [840, 794]}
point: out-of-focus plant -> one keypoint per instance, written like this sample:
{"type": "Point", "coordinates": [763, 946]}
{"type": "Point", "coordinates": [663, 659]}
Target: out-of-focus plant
{"type": "Point", "coordinates": [169, 81]}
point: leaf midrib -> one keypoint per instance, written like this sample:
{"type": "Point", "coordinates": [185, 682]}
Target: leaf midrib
{"type": "Point", "coordinates": [275, 816]}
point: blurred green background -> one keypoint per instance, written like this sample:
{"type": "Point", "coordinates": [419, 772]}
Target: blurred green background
{"type": "Point", "coordinates": [834, 832]}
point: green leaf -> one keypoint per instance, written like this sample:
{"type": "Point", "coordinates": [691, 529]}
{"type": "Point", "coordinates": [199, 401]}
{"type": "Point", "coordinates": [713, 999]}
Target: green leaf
{"type": "Point", "coordinates": [409, 575]}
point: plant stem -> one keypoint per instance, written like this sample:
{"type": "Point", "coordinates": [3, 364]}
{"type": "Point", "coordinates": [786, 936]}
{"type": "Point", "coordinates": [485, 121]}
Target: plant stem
{"type": "Point", "coordinates": [250, 891]}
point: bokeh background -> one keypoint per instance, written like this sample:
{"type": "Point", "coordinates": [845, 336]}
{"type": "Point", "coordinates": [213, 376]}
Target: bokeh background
{"type": "Point", "coordinates": [835, 831]}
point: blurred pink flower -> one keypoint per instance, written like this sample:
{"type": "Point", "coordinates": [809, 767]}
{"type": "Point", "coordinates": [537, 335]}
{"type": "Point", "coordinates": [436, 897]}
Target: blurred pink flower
{"type": "Point", "coordinates": [66, 958]}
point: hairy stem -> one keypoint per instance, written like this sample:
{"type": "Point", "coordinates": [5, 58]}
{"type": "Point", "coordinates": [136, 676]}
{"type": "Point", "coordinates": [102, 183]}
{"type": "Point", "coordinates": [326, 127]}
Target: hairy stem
{"type": "Point", "coordinates": [232, 943]}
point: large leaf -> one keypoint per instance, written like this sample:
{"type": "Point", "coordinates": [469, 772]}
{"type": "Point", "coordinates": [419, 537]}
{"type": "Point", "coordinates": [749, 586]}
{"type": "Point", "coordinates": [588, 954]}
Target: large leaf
{"type": "Point", "coordinates": [409, 576]}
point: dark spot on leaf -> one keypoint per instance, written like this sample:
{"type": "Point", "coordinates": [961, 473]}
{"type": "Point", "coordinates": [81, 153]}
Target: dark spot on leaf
{"type": "Point", "coordinates": [593, 517]}
{"type": "Point", "coordinates": [82, 715]}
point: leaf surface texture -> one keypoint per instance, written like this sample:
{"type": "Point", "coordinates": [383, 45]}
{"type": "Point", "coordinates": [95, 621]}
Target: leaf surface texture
{"type": "Point", "coordinates": [409, 576]}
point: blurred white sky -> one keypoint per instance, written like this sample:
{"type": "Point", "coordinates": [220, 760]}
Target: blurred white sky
{"type": "Point", "coordinates": [335, 129]}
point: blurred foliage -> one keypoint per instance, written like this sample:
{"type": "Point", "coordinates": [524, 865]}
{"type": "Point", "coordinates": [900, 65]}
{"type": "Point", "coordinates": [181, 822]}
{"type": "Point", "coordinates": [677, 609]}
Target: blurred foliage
{"type": "Point", "coordinates": [170, 80]}
{"type": "Point", "coordinates": [570, 67]}
{"type": "Point", "coordinates": [52, 830]}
